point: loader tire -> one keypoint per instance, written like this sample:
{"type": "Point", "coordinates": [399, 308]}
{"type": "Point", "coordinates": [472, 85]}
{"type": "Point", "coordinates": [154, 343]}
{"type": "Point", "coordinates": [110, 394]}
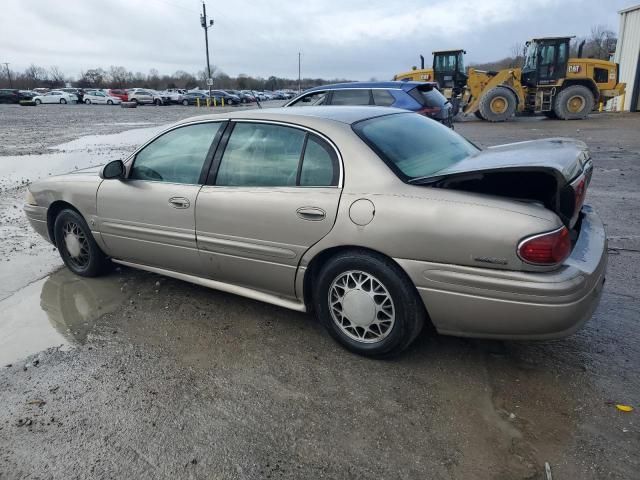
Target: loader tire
{"type": "Point", "coordinates": [498, 104]}
{"type": "Point", "coordinates": [574, 103]}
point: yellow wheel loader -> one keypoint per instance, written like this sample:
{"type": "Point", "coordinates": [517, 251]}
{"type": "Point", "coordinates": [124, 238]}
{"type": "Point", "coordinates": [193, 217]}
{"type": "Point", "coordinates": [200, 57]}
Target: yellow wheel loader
{"type": "Point", "coordinates": [549, 82]}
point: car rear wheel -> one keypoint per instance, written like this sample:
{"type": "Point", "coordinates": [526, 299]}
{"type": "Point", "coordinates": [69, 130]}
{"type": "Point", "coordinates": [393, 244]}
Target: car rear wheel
{"type": "Point", "coordinates": [157, 102]}
{"type": "Point", "coordinates": [87, 102]}
{"type": "Point", "coordinates": [368, 304]}
{"type": "Point", "coordinates": [185, 103]}
{"type": "Point", "coordinates": [109, 102]}
{"type": "Point", "coordinates": [37, 101]}
{"type": "Point", "coordinates": [63, 101]}
{"type": "Point", "coordinates": [77, 247]}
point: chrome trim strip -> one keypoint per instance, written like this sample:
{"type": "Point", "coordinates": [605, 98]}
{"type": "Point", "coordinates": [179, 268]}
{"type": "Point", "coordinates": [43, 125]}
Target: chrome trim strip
{"type": "Point", "coordinates": [254, 248]}
{"type": "Point", "coordinates": [224, 287]}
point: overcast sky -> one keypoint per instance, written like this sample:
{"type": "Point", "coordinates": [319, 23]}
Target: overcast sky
{"type": "Point", "coordinates": [355, 39]}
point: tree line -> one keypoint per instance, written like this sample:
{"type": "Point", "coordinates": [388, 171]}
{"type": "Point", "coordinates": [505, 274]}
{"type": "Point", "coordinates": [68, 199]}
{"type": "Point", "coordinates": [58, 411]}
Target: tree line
{"type": "Point", "coordinates": [115, 76]}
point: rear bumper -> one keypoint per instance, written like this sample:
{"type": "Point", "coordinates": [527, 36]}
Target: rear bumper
{"type": "Point", "coordinates": [477, 302]}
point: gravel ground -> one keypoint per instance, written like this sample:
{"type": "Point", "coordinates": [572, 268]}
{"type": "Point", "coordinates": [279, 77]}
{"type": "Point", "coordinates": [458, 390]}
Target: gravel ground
{"type": "Point", "coordinates": [162, 379]}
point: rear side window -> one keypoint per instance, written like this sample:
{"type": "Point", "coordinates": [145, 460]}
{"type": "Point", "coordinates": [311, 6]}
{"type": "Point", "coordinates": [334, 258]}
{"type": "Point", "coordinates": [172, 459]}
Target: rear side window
{"type": "Point", "coordinates": [383, 98]}
{"type": "Point", "coordinates": [351, 97]}
{"type": "Point", "coordinates": [414, 146]}
{"type": "Point", "coordinates": [319, 165]}
{"type": "Point", "coordinates": [261, 155]}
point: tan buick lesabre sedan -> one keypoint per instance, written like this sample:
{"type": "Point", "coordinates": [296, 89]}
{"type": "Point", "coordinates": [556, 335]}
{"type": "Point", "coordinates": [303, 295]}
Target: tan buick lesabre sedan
{"type": "Point", "coordinates": [375, 219]}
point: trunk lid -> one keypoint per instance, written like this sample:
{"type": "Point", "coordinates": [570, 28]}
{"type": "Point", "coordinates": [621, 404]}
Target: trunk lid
{"type": "Point", "coordinates": [554, 172]}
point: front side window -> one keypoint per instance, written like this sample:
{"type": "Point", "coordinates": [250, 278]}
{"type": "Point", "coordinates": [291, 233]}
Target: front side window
{"type": "Point", "coordinates": [351, 97]}
{"type": "Point", "coordinates": [413, 146]}
{"type": "Point", "coordinates": [261, 155]}
{"type": "Point", "coordinates": [177, 156]}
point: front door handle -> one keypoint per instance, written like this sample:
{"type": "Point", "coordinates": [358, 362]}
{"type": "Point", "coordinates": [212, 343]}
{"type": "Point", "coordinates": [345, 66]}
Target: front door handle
{"type": "Point", "coordinates": [313, 214]}
{"type": "Point", "coordinates": [179, 202]}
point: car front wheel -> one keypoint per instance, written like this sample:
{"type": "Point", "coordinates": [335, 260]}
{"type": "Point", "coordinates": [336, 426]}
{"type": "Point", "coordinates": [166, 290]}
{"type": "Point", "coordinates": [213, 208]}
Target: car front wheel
{"type": "Point", "coordinates": [77, 247]}
{"type": "Point", "coordinates": [109, 102]}
{"type": "Point", "coordinates": [38, 102]}
{"type": "Point", "coordinates": [87, 101]}
{"type": "Point", "coordinates": [63, 101]}
{"type": "Point", "coordinates": [368, 304]}
{"type": "Point", "coordinates": [185, 103]}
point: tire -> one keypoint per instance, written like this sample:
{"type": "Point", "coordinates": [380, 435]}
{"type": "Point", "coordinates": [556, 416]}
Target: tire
{"type": "Point", "coordinates": [135, 100]}
{"type": "Point", "coordinates": [63, 101]}
{"type": "Point", "coordinates": [77, 247]}
{"type": "Point", "coordinates": [498, 104]}
{"type": "Point", "coordinates": [86, 102]}
{"type": "Point", "coordinates": [185, 103]}
{"type": "Point", "coordinates": [401, 319]}
{"type": "Point", "coordinates": [157, 102]}
{"type": "Point", "coordinates": [37, 101]}
{"type": "Point", "coordinates": [109, 102]}
{"type": "Point", "coordinates": [478, 115]}
{"type": "Point", "coordinates": [574, 103]}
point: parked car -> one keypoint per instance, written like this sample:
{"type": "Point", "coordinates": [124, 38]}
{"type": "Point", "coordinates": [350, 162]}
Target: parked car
{"type": "Point", "coordinates": [229, 98]}
{"type": "Point", "coordinates": [244, 97]}
{"type": "Point", "coordinates": [119, 93]}
{"type": "Point", "coordinates": [173, 95]}
{"type": "Point", "coordinates": [377, 220]}
{"type": "Point", "coordinates": [145, 96]}
{"type": "Point", "coordinates": [9, 95]}
{"type": "Point", "coordinates": [191, 98]}
{"type": "Point", "coordinates": [78, 92]}
{"type": "Point", "coordinates": [55, 96]}
{"type": "Point", "coordinates": [420, 97]}
{"type": "Point", "coordinates": [100, 97]}
{"type": "Point", "coordinates": [27, 94]}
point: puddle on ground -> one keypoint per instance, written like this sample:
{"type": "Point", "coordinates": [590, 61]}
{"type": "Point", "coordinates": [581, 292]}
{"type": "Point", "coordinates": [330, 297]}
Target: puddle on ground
{"type": "Point", "coordinates": [84, 152]}
{"type": "Point", "coordinates": [59, 310]}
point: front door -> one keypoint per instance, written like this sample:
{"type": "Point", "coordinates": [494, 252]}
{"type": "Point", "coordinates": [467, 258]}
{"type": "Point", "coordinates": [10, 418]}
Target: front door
{"type": "Point", "coordinates": [149, 217]}
{"type": "Point", "coordinates": [272, 194]}
{"type": "Point", "coordinates": [553, 56]}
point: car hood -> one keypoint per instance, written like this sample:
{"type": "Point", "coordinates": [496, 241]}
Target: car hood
{"type": "Point", "coordinates": [563, 155]}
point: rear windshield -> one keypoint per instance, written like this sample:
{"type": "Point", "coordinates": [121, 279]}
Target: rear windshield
{"type": "Point", "coordinates": [428, 96]}
{"type": "Point", "coordinates": [414, 147]}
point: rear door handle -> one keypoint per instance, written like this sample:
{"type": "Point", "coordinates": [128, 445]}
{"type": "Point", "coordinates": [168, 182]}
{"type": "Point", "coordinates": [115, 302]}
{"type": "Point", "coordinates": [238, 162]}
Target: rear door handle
{"type": "Point", "coordinates": [179, 202]}
{"type": "Point", "coordinates": [313, 214]}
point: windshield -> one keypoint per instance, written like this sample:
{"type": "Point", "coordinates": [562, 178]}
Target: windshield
{"type": "Point", "coordinates": [414, 147]}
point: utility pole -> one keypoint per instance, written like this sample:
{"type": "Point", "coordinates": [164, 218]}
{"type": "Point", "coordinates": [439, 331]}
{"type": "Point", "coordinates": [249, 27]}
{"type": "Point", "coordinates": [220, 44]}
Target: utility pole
{"type": "Point", "coordinates": [299, 79]}
{"type": "Point", "coordinates": [6, 64]}
{"type": "Point", "coordinates": [207, 25]}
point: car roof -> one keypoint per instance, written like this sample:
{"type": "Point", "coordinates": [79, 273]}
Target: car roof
{"type": "Point", "coordinates": [342, 114]}
{"type": "Point", "coordinates": [391, 84]}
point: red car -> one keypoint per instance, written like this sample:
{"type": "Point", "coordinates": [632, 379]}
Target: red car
{"type": "Point", "coordinates": [121, 94]}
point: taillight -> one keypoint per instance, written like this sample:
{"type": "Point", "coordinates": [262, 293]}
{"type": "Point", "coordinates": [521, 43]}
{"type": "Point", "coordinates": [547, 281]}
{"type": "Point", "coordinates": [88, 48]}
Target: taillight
{"type": "Point", "coordinates": [429, 111]}
{"type": "Point", "coordinates": [546, 248]}
{"type": "Point", "coordinates": [579, 186]}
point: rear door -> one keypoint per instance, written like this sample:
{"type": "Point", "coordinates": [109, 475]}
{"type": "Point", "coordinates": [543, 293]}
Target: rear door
{"type": "Point", "coordinates": [272, 194]}
{"type": "Point", "coordinates": [149, 217]}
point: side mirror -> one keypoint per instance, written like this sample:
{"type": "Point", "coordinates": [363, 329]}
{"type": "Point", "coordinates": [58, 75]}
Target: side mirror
{"type": "Point", "coordinates": [113, 169]}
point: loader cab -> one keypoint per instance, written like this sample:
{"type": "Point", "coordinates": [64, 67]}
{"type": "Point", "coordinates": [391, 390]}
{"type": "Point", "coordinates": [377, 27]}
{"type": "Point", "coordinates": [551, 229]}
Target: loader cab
{"type": "Point", "coordinates": [448, 69]}
{"type": "Point", "coordinates": [545, 61]}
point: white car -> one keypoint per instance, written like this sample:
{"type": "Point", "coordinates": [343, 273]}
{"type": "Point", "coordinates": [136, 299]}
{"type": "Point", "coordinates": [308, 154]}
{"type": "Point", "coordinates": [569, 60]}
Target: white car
{"type": "Point", "coordinates": [96, 96]}
{"type": "Point", "coordinates": [55, 96]}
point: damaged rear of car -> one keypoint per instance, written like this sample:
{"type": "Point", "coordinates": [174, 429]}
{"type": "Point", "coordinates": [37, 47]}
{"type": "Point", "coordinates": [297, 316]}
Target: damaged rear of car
{"type": "Point", "coordinates": [525, 258]}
